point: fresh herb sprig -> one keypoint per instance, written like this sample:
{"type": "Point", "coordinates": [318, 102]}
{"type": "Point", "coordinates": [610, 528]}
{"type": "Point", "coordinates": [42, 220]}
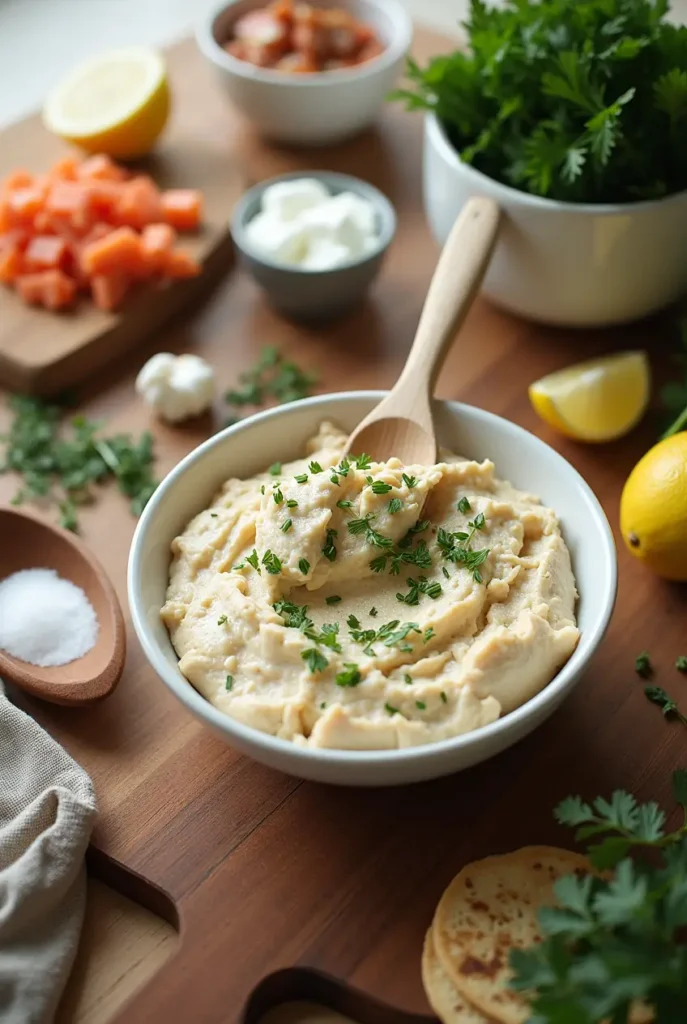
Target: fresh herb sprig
{"type": "Point", "coordinates": [613, 939]}
{"type": "Point", "coordinates": [272, 380]}
{"type": "Point", "coordinates": [584, 102]}
{"type": "Point", "coordinates": [62, 463]}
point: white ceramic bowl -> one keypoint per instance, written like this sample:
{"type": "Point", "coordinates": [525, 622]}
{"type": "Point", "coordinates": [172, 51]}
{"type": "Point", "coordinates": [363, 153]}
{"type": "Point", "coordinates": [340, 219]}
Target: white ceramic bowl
{"type": "Point", "coordinates": [572, 264]}
{"type": "Point", "coordinates": [310, 109]}
{"type": "Point", "coordinates": [279, 434]}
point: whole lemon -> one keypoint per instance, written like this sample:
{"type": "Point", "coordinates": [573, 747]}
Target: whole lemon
{"type": "Point", "coordinates": [653, 508]}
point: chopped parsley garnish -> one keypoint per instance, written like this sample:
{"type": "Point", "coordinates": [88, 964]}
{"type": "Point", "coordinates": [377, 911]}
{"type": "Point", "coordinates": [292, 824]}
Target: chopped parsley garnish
{"type": "Point", "coordinates": [407, 678]}
{"type": "Point", "coordinates": [395, 505]}
{"type": "Point", "coordinates": [278, 496]}
{"type": "Point", "coordinates": [262, 488]}
{"type": "Point", "coordinates": [373, 612]}
{"type": "Point", "coordinates": [271, 377]}
{"type": "Point", "coordinates": [350, 676]}
{"type": "Point", "coordinates": [275, 469]}
{"type": "Point", "coordinates": [369, 479]}
{"type": "Point", "coordinates": [329, 636]}
{"type": "Point", "coordinates": [409, 481]}
{"type": "Point", "coordinates": [286, 525]}
{"type": "Point", "coordinates": [362, 461]}
{"type": "Point", "coordinates": [253, 560]}
{"type": "Point", "coordinates": [344, 504]}
{"type": "Point", "coordinates": [238, 566]}
{"type": "Point", "coordinates": [334, 479]}
{"type": "Point", "coordinates": [333, 599]}
{"type": "Point", "coordinates": [681, 663]}
{"type": "Point", "coordinates": [358, 526]}
{"type": "Point", "coordinates": [666, 703]}
{"type": "Point", "coordinates": [407, 541]}
{"type": "Point", "coordinates": [353, 622]}
{"type": "Point", "coordinates": [304, 566]}
{"type": "Point", "coordinates": [391, 709]}
{"type": "Point", "coordinates": [455, 547]}
{"type": "Point", "coordinates": [429, 633]}
{"type": "Point", "coordinates": [271, 562]}
{"type": "Point", "coordinates": [443, 697]}
{"type": "Point", "coordinates": [445, 572]}
{"type": "Point", "coordinates": [301, 478]}
{"type": "Point", "coordinates": [329, 550]}
{"type": "Point", "coordinates": [213, 515]}
{"type": "Point", "coordinates": [314, 659]}
{"type": "Point", "coordinates": [323, 705]}
{"type": "Point", "coordinates": [418, 586]}
{"type": "Point", "coordinates": [228, 682]}
{"type": "Point", "coordinates": [400, 634]}
{"type": "Point", "coordinates": [292, 503]}
{"type": "Point", "coordinates": [464, 506]}
{"type": "Point", "coordinates": [343, 467]}
{"type": "Point", "coordinates": [315, 467]}
{"type": "Point", "coordinates": [643, 666]}
{"type": "Point", "coordinates": [294, 615]}
{"type": "Point", "coordinates": [420, 705]}
{"type": "Point", "coordinates": [379, 487]}
{"type": "Point", "coordinates": [221, 620]}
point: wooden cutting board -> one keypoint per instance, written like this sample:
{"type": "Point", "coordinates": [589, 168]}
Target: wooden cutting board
{"type": "Point", "coordinates": [42, 352]}
{"type": "Point", "coordinates": [265, 872]}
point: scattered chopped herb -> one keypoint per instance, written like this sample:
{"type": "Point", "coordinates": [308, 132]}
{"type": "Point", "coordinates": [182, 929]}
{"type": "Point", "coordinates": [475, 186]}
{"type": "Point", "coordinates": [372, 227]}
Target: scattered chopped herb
{"type": "Point", "coordinates": [292, 503]}
{"type": "Point", "coordinates": [334, 479]}
{"type": "Point", "coordinates": [407, 541]}
{"type": "Point", "coordinates": [295, 616]}
{"type": "Point", "coordinates": [278, 496]}
{"type": "Point", "coordinates": [314, 659]}
{"type": "Point", "coordinates": [252, 559]}
{"type": "Point", "coordinates": [391, 709]}
{"type": "Point", "coordinates": [62, 466]}
{"type": "Point", "coordinates": [344, 504]}
{"type": "Point", "coordinates": [333, 599]}
{"type": "Point", "coordinates": [353, 622]}
{"type": "Point", "coordinates": [262, 488]}
{"type": "Point", "coordinates": [369, 479]}
{"type": "Point", "coordinates": [323, 705]}
{"type": "Point", "coordinates": [221, 620]}
{"type": "Point", "coordinates": [666, 703]}
{"type": "Point", "coordinates": [362, 461]}
{"type": "Point", "coordinates": [275, 469]}
{"type": "Point", "coordinates": [329, 636]}
{"type": "Point", "coordinates": [429, 633]}
{"type": "Point", "coordinates": [213, 515]}
{"type": "Point", "coordinates": [455, 547]}
{"type": "Point", "coordinates": [304, 566]}
{"type": "Point", "coordinates": [272, 563]}
{"type": "Point", "coordinates": [238, 566]}
{"type": "Point", "coordinates": [272, 378]}
{"type": "Point", "coordinates": [329, 550]}
{"type": "Point", "coordinates": [421, 585]}
{"type": "Point", "coordinates": [301, 478]}
{"type": "Point", "coordinates": [401, 633]}
{"type": "Point", "coordinates": [407, 678]}
{"type": "Point", "coordinates": [395, 505]}
{"type": "Point", "coordinates": [315, 467]}
{"type": "Point", "coordinates": [379, 487]}
{"type": "Point", "coordinates": [478, 522]}
{"type": "Point", "coordinates": [420, 705]}
{"type": "Point", "coordinates": [286, 525]}
{"type": "Point", "coordinates": [643, 666]}
{"type": "Point", "coordinates": [443, 697]}
{"type": "Point", "coordinates": [378, 563]}
{"type": "Point", "coordinates": [373, 612]}
{"type": "Point", "coordinates": [464, 506]}
{"type": "Point", "coordinates": [343, 467]}
{"type": "Point", "coordinates": [228, 682]}
{"type": "Point", "coordinates": [409, 481]}
{"type": "Point", "coordinates": [349, 677]}
{"type": "Point", "coordinates": [364, 525]}
{"type": "Point", "coordinates": [681, 663]}
{"type": "Point", "coordinates": [445, 572]}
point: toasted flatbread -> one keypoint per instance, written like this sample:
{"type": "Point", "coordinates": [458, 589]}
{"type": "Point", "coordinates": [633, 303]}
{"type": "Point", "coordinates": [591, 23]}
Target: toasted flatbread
{"type": "Point", "coordinates": [442, 995]}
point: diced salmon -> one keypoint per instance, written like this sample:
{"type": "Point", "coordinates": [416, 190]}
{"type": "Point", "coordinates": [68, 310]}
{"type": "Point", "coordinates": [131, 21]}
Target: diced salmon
{"type": "Point", "coordinates": [45, 252]}
{"type": "Point", "coordinates": [182, 208]}
{"type": "Point", "coordinates": [101, 168]}
{"type": "Point", "coordinates": [139, 203]}
{"type": "Point", "coordinates": [11, 264]}
{"type": "Point", "coordinates": [49, 288]}
{"type": "Point", "coordinates": [65, 169]}
{"type": "Point", "coordinates": [156, 241]}
{"type": "Point", "coordinates": [104, 198]}
{"type": "Point", "coordinates": [118, 252]}
{"type": "Point", "coordinates": [108, 290]}
{"type": "Point", "coordinates": [69, 201]}
{"type": "Point", "coordinates": [179, 264]}
{"type": "Point", "coordinates": [24, 204]}
{"type": "Point", "coordinates": [17, 179]}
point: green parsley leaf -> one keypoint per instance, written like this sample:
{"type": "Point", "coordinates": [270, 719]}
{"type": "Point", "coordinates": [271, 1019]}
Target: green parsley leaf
{"type": "Point", "coordinates": [395, 505]}
{"type": "Point", "coordinates": [391, 709]}
{"type": "Point", "coordinates": [214, 515]}
{"type": "Point", "coordinates": [445, 572]}
{"type": "Point", "coordinates": [272, 377]}
{"type": "Point", "coordinates": [350, 676]}
{"type": "Point", "coordinates": [253, 560]}
{"type": "Point", "coordinates": [401, 633]}
{"type": "Point", "coordinates": [315, 467]}
{"type": "Point", "coordinates": [286, 525]}
{"type": "Point", "coordinates": [681, 663]}
{"type": "Point", "coordinates": [464, 506]}
{"type": "Point", "coordinates": [329, 550]}
{"type": "Point", "coordinates": [272, 563]}
{"type": "Point", "coordinates": [334, 479]}
{"type": "Point", "coordinates": [333, 599]}
{"type": "Point", "coordinates": [275, 469]}
{"type": "Point", "coordinates": [222, 620]}
{"type": "Point", "coordinates": [362, 461]}
{"type": "Point", "coordinates": [301, 478]}
{"type": "Point", "coordinates": [373, 612]}
{"type": "Point", "coordinates": [420, 705]}
{"type": "Point", "coordinates": [304, 566]}
{"type": "Point", "coordinates": [314, 659]}
{"type": "Point", "coordinates": [228, 682]}
{"type": "Point", "coordinates": [643, 666]}
{"type": "Point", "coordinates": [428, 634]}
{"type": "Point", "coordinates": [278, 496]}
{"type": "Point", "coordinates": [444, 698]}
{"type": "Point", "coordinates": [666, 703]}
{"type": "Point", "coordinates": [409, 481]}
{"type": "Point", "coordinates": [344, 504]}
{"type": "Point", "coordinates": [379, 487]}
{"type": "Point", "coordinates": [292, 503]}
{"type": "Point", "coordinates": [408, 679]}
{"type": "Point", "coordinates": [353, 622]}
{"type": "Point", "coordinates": [262, 488]}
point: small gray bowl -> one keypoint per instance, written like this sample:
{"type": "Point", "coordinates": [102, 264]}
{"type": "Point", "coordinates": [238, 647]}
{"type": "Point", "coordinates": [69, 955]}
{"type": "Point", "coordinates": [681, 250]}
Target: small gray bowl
{"type": "Point", "coordinates": [314, 295]}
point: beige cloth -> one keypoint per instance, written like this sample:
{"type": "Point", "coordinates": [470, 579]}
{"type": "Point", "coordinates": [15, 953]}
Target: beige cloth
{"type": "Point", "coordinates": [47, 810]}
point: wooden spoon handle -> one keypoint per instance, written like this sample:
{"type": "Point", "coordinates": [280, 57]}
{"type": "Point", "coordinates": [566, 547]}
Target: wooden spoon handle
{"type": "Point", "coordinates": [462, 265]}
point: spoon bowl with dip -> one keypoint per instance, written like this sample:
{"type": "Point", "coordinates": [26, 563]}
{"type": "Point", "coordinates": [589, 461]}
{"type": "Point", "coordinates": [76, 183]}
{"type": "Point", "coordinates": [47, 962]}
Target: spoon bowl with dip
{"type": "Point", "coordinates": [28, 542]}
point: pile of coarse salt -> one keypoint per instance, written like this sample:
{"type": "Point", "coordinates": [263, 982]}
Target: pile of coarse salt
{"type": "Point", "coordinates": [45, 620]}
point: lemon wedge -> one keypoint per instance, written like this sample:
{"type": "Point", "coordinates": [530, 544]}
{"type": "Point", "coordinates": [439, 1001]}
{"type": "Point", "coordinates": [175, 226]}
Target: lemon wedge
{"type": "Point", "coordinates": [597, 400]}
{"type": "Point", "coordinates": [116, 103]}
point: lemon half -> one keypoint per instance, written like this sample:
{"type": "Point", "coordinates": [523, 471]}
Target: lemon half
{"type": "Point", "coordinates": [117, 103]}
{"type": "Point", "coordinates": [595, 401]}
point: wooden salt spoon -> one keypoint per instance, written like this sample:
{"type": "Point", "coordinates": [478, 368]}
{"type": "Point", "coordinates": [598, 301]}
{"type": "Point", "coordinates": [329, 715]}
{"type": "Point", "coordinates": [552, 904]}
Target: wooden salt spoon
{"type": "Point", "coordinates": [28, 542]}
{"type": "Point", "coordinates": [402, 424]}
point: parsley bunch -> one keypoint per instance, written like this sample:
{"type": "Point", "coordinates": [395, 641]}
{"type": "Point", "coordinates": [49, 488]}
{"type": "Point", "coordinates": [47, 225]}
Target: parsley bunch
{"type": "Point", "coordinates": [613, 940]}
{"type": "Point", "coordinates": [583, 101]}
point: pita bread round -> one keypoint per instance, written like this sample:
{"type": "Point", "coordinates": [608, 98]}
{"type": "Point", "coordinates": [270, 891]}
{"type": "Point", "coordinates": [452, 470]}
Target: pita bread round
{"type": "Point", "coordinates": [490, 908]}
{"type": "Point", "coordinates": [442, 994]}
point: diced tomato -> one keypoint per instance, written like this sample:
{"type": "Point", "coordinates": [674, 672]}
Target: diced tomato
{"type": "Point", "coordinates": [139, 203]}
{"type": "Point", "coordinates": [156, 241]}
{"type": "Point", "coordinates": [118, 252]}
{"type": "Point", "coordinates": [49, 288]}
{"type": "Point", "coordinates": [108, 290]}
{"type": "Point", "coordinates": [11, 264]}
{"type": "Point", "coordinates": [45, 252]}
{"type": "Point", "coordinates": [297, 63]}
{"type": "Point", "coordinates": [179, 264]}
{"type": "Point", "coordinates": [182, 208]}
{"type": "Point", "coordinates": [101, 168]}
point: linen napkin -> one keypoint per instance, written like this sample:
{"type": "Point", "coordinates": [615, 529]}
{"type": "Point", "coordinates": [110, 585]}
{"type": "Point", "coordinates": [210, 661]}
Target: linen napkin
{"type": "Point", "coordinates": [47, 810]}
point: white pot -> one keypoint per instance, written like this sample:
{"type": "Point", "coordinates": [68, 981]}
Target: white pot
{"type": "Point", "coordinates": [571, 264]}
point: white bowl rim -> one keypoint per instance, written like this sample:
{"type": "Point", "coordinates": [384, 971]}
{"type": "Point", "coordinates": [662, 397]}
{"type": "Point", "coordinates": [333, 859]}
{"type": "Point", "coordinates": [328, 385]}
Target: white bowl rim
{"type": "Point", "coordinates": [203, 709]}
{"type": "Point", "coordinates": [397, 48]}
{"type": "Point", "coordinates": [384, 240]}
{"type": "Point", "coordinates": [514, 197]}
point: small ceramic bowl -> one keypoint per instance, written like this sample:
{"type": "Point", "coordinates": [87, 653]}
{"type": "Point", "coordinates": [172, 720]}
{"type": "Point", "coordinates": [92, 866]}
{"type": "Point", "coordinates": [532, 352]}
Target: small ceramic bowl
{"type": "Point", "coordinates": [314, 295]}
{"type": "Point", "coordinates": [280, 434]}
{"type": "Point", "coordinates": [309, 109]}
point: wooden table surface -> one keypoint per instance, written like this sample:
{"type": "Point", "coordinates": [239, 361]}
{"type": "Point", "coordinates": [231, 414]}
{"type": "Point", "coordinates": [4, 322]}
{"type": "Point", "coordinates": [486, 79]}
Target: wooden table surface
{"type": "Point", "coordinates": [265, 871]}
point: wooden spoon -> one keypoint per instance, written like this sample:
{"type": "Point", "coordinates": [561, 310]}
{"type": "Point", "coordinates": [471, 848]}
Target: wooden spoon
{"type": "Point", "coordinates": [402, 424]}
{"type": "Point", "coordinates": [28, 542]}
